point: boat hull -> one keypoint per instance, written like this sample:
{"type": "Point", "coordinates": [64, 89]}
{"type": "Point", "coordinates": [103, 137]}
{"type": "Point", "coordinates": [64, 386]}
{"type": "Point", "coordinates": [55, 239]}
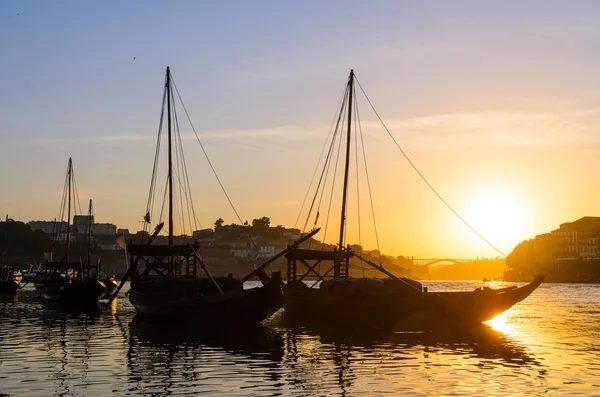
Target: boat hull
{"type": "Point", "coordinates": [9, 287]}
{"type": "Point", "coordinates": [84, 293]}
{"type": "Point", "coordinates": [249, 306]}
{"type": "Point", "coordinates": [389, 308]}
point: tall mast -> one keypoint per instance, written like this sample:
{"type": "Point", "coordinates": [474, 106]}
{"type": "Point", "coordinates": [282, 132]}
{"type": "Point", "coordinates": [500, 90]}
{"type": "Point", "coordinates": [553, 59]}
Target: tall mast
{"type": "Point", "coordinates": [345, 191]}
{"type": "Point", "coordinates": [168, 85]}
{"type": "Point", "coordinates": [4, 242]}
{"type": "Point", "coordinates": [89, 255]}
{"type": "Point", "coordinates": [69, 177]}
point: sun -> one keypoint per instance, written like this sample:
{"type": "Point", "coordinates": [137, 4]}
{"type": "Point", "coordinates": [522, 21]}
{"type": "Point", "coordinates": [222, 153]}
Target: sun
{"type": "Point", "coordinates": [497, 216]}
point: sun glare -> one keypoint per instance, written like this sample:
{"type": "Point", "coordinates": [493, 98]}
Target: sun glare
{"type": "Point", "coordinates": [500, 323]}
{"type": "Point", "coordinates": [499, 217]}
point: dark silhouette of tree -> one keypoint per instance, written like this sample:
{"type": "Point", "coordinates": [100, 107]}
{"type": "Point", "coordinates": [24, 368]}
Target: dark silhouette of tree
{"type": "Point", "coordinates": [22, 244]}
{"type": "Point", "coordinates": [219, 223]}
{"type": "Point", "coordinates": [262, 223]}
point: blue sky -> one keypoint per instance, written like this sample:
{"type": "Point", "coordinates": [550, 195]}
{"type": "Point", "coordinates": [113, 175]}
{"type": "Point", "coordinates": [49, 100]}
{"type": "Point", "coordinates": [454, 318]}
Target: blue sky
{"type": "Point", "coordinates": [480, 94]}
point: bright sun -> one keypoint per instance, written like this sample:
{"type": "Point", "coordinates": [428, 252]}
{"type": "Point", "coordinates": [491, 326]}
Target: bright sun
{"type": "Point", "coordinates": [499, 217]}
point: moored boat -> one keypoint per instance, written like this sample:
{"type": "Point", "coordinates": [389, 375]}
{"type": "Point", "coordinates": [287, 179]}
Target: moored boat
{"type": "Point", "coordinates": [165, 279]}
{"type": "Point", "coordinates": [71, 283]}
{"type": "Point", "coordinates": [29, 276]}
{"type": "Point", "coordinates": [334, 296]}
{"type": "Point", "coordinates": [9, 286]}
{"type": "Point", "coordinates": [10, 280]}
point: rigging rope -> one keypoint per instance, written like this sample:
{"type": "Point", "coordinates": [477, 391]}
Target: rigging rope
{"type": "Point", "coordinates": [207, 158]}
{"type": "Point", "coordinates": [431, 187]}
{"type": "Point", "coordinates": [75, 193]}
{"type": "Point", "coordinates": [325, 145]}
{"type": "Point", "coordinates": [150, 204]}
{"type": "Point", "coordinates": [178, 171]}
{"type": "Point", "coordinates": [364, 153]}
{"type": "Point", "coordinates": [63, 205]}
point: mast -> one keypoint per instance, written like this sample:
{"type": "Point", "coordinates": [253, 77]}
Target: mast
{"type": "Point", "coordinates": [69, 177]}
{"type": "Point", "coordinates": [4, 243]}
{"type": "Point", "coordinates": [54, 238]}
{"type": "Point", "coordinates": [89, 253]}
{"type": "Point", "coordinates": [170, 177]}
{"type": "Point", "coordinates": [345, 191]}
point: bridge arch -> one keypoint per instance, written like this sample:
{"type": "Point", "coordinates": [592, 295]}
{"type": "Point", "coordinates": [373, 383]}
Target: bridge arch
{"type": "Point", "coordinates": [430, 262]}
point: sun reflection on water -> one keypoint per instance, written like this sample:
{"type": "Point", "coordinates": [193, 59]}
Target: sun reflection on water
{"type": "Point", "coordinates": [501, 323]}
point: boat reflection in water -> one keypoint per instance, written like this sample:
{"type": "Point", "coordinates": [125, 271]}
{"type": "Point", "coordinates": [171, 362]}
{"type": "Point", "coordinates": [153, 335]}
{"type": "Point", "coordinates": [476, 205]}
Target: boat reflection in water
{"type": "Point", "coordinates": [77, 354]}
{"type": "Point", "coordinates": [365, 359]}
{"type": "Point", "coordinates": [161, 356]}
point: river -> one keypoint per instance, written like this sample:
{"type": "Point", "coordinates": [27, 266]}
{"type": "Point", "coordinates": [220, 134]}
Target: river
{"type": "Point", "coordinates": [547, 345]}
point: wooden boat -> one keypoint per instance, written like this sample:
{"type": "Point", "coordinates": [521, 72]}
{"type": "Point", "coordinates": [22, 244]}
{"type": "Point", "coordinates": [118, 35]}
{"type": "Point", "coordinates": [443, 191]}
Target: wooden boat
{"type": "Point", "coordinates": [165, 279]}
{"type": "Point", "coordinates": [71, 283]}
{"type": "Point", "coordinates": [9, 282]}
{"type": "Point", "coordinates": [337, 297]}
{"type": "Point", "coordinates": [30, 274]}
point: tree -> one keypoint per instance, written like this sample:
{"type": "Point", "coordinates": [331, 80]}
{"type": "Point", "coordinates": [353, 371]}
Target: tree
{"type": "Point", "coordinates": [261, 223]}
{"type": "Point", "coordinates": [219, 223]}
{"type": "Point", "coordinates": [22, 243]}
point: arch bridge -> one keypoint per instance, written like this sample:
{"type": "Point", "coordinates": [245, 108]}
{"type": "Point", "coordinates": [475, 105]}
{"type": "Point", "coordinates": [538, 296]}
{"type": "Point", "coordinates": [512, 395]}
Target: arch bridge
{"type": "Point", "coordinates": [430, 262]}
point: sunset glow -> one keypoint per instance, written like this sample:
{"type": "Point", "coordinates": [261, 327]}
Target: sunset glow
{"type": "Point", "coordinates": [503, 123]}
{"type": "Point", "coordinates": [498, 216]}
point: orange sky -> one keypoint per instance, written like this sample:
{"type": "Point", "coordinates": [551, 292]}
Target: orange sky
{"type": "Point", "coordinates": [495, 103]}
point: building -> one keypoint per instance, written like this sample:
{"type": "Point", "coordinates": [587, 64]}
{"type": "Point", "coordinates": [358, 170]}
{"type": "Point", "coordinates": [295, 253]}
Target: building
{"type": "Point", "coordinates": [81, 223]}
{"type": "Point", "coordinates": [204, 235]}
{"type": "Point", "coordinates": [48, 227]}
{"type": "Point", "coordinates": [102, 233]}
{"type": "Point", "coordinates": [578, 240]}
{"type": "Point", "coordinates": [266, 251]}
{"type": "Point", "coordinates": [293, 234]}
{"type": "Point", "coordinates": [104, 229]}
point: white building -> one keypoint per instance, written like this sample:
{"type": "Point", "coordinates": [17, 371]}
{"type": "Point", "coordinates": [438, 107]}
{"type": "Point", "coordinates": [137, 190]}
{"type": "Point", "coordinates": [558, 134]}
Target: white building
{"type": "Point", "coordinates": [48, 227]}
{"type": "Point", "coordinates": [266, 251]}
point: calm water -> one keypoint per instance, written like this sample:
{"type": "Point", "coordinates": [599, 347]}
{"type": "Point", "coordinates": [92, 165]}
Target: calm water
{"type": "Point", "coordinates": [548, 345]}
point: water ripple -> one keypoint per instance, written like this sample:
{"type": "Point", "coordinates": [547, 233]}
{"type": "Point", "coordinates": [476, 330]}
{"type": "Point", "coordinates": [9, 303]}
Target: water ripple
{"type": "Point", "coordinates": [547, 345]}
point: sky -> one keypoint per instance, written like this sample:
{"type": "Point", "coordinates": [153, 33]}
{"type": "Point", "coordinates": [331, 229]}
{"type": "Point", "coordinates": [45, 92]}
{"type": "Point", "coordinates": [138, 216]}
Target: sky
{"type": "Point", "coordinates": [496, 103]}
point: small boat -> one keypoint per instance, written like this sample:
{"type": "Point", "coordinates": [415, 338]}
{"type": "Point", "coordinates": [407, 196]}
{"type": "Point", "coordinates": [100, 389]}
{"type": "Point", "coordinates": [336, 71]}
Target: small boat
{"type": "Point", "coordinates": [38, 281]}
{"type": "Point", "coordinates": [31, 274]}
{"type": "Point", "coordinates": [71, 283]}
{"type": "Point", "coordinates": [337, 297]}
{"type": "Point", "coordinates": [165, 279]}
{"type": "Point", "coordinates": [9, 284]}
{"type": "Point", "coordinates": [10, 280]}
{"type": "Point", "coordinates": [17, 275]}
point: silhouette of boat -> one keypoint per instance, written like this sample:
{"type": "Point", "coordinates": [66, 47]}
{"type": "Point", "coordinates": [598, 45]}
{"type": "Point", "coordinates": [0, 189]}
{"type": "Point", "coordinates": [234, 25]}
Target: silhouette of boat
{"type": "Point", "coordinates": [165, 282]}
{"type": "Point", "coordinates": [9, 282]}
{"type": "Point", "coordinates": [66, 282]}
{"type": "Point", "coordinates": [30, 274]}
{"type": "Point", "coordinates": [337, 297]}
{"type": "Point", "coordinates": [152, 345]}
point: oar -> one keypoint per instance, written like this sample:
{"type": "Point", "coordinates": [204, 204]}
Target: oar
{"type": "Point", "coordinates": [23, 286]}
{"type": "Point", "coordinates": [203, 266]}
{"type": "Point", "coordinates": [157, 230]}
{"type": "Point", "coordinates": [112, 298]}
